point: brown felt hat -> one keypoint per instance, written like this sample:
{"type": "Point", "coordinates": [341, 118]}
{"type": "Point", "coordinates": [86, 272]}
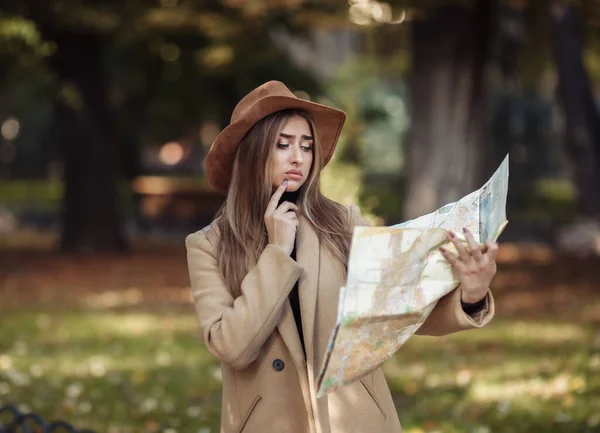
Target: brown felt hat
{"type": "Point", "coordinates": [267, 99]}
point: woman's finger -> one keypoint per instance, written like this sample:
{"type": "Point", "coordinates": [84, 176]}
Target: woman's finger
{"type": "Point", "coordinates": [285, 207]}
{"type": "Point", "coordinates": [454, 260]}
{"type": "Point", "coordinates": [492, 249]}
{"type": "Point", "coordinates": [473, 245]}
{"type": "Point", "coordinates": [291, 215]}
{"type": "Point", "coordinates": [463, 254]}
{"type": "Point", "coordinates": [275, 197]}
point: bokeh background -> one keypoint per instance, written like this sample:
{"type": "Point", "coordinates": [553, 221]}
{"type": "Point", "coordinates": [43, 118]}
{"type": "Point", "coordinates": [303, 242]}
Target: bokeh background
{"type": "Point", "coordinates": [108, 108]}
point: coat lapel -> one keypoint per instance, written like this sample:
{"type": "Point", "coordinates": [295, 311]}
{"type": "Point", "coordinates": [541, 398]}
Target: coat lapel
{"type": "Point", "coordinates": [308, 253]}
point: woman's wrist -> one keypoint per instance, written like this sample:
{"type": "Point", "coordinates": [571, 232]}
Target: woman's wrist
{"type": "Point", "coordinates": [471, 308]}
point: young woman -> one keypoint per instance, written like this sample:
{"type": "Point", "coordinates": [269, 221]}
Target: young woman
{"type": "Point", "coordinates": [267, 272]}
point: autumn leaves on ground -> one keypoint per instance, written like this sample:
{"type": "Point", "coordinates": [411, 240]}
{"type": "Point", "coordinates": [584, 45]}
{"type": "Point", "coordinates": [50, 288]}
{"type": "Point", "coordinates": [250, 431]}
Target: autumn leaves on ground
{"type": "Point", "coordinates": [112, 343]}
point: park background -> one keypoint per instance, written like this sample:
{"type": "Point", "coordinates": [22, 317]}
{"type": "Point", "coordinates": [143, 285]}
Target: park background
{"type": "Point", "coordinates": [108, 108]}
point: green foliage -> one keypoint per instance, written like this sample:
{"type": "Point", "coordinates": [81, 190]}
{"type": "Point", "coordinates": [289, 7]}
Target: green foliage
{"type": "Point", "coordinates": [23, 191]}
{"type": "Point", "coordinates": [20, 38]}
{"type": "Point", "coordinates": [371, 92]}
{"type": "Point", "coordinates": [537, 56]}
{"type": "Point", "coordinates": [383, 195]}
{"type": "Point", "coordinates": [170, 67]}
{"type": "Point", "coordinates": [341, 182]}
{"type": "Point", "coordinates": [548, 201]}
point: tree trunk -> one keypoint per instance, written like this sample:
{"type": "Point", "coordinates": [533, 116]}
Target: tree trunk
{"type": "Point", "coordinates": [90, 212]}
{"type": "Point", "coordinates": [450, 49]}
{"type": "Point", "coordinates": [582, 130]}
{"type": "Point", "coordinates": [581, 115]}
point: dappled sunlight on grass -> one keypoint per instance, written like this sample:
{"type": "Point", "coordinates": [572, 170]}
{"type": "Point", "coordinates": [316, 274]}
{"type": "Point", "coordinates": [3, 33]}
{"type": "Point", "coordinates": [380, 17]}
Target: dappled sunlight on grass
{"type": "Point", "coordinates": [110, 370]}
{"type": "Point", "coordinates": [520, 331]}
{"type": "Point", "coordinates": [511, 376]}
{"type": "Point", "coordinates": [558, 386]}
{"type": "Point", "coordinates": [56, 327]}
{"type": "Point", "coordinates": [112, 342]}
{"type": "Point", "coordinates": [132, 297]}
{"type": "Point", "coordinates": [137, 324]}
{"type": "Point", "coordinates": [148, 371]}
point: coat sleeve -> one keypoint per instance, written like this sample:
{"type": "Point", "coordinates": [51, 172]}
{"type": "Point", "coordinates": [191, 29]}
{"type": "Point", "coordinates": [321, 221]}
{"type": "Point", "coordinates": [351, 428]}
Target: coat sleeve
{"type": "Point", "coordinates": [448, 316]}
{"type": "Point", "coordinates": [234, 330]}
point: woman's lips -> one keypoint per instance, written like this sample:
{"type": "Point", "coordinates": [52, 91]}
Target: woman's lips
{"type": "Point", "coordinates": [294, 175]}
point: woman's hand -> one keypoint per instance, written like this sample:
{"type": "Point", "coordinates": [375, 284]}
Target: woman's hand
{"type": "Point", "coordinates": [282, 221]}
{"type": "Point", "coordinates": [476, 266]}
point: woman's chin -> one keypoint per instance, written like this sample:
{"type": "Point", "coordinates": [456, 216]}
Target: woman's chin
{"type": "Point", "coordinates": [293, 186]}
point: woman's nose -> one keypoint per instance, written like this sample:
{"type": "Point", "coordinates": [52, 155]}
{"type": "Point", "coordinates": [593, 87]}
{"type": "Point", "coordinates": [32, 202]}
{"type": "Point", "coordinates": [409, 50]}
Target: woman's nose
{"type": "Point", "coordinates": [297, 156]}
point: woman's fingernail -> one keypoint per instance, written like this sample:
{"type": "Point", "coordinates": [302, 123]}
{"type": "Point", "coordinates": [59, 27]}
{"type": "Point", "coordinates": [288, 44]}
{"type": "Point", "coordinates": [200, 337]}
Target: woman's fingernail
{"type": "Point", "coordinates": [285, 182]}
{"type": "Point", "coordinates": [465, 230]}
{"type": "Point", "coordinates": [442, 249]}
{"type": "Point", "coordinates": [451, 234]}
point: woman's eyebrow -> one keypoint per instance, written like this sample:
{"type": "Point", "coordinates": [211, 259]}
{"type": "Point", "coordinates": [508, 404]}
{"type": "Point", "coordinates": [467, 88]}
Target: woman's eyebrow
{"type": "Point", "coordinates": [304, 137]}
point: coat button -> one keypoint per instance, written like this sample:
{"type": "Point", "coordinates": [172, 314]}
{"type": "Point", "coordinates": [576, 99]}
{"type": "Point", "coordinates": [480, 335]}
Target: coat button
{"type": "Point", "coordinates": [278, 365]}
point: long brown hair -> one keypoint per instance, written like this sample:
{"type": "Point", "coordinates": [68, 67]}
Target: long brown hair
{"type": "Point", "coordinates": [240, 220]}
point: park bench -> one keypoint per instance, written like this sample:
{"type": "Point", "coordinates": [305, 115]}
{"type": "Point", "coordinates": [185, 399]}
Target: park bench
{"type": "Point", "coordinates": [12, 420]}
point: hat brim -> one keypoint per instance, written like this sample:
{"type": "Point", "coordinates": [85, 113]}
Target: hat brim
{"type": "Point", "coordinates": [219, 161]}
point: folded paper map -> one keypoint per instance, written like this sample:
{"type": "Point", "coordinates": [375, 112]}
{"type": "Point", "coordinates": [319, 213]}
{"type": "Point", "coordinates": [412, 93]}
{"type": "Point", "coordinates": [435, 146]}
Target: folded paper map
{"type": "Point", "coordinates": [396, 275]}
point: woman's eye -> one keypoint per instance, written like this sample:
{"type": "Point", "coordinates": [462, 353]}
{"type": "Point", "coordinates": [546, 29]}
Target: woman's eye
{"type": "Point", "coordinates": [283, 145]}
{"type": "Point", "coordinates": [306, 148]}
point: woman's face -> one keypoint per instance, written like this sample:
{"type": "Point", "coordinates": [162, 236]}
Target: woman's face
{"type": "Point", "coordinates": [293, 154]}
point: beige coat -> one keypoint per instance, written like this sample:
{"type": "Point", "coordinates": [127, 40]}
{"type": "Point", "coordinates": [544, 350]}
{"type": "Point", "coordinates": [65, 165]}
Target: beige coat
{"type": "Point", "coordinates": [268, 385]}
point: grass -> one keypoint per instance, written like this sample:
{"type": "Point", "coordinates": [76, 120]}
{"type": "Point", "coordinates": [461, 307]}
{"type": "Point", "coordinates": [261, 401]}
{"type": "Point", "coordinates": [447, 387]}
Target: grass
{"type": "Point", "coordinates": [111, 343]}
{"type": "Point", "coordinates": [147, 372]}
{"type": "Point", "coordinates": [113, 372]}
{"type": "Point", "coordinates": [512, 376]}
